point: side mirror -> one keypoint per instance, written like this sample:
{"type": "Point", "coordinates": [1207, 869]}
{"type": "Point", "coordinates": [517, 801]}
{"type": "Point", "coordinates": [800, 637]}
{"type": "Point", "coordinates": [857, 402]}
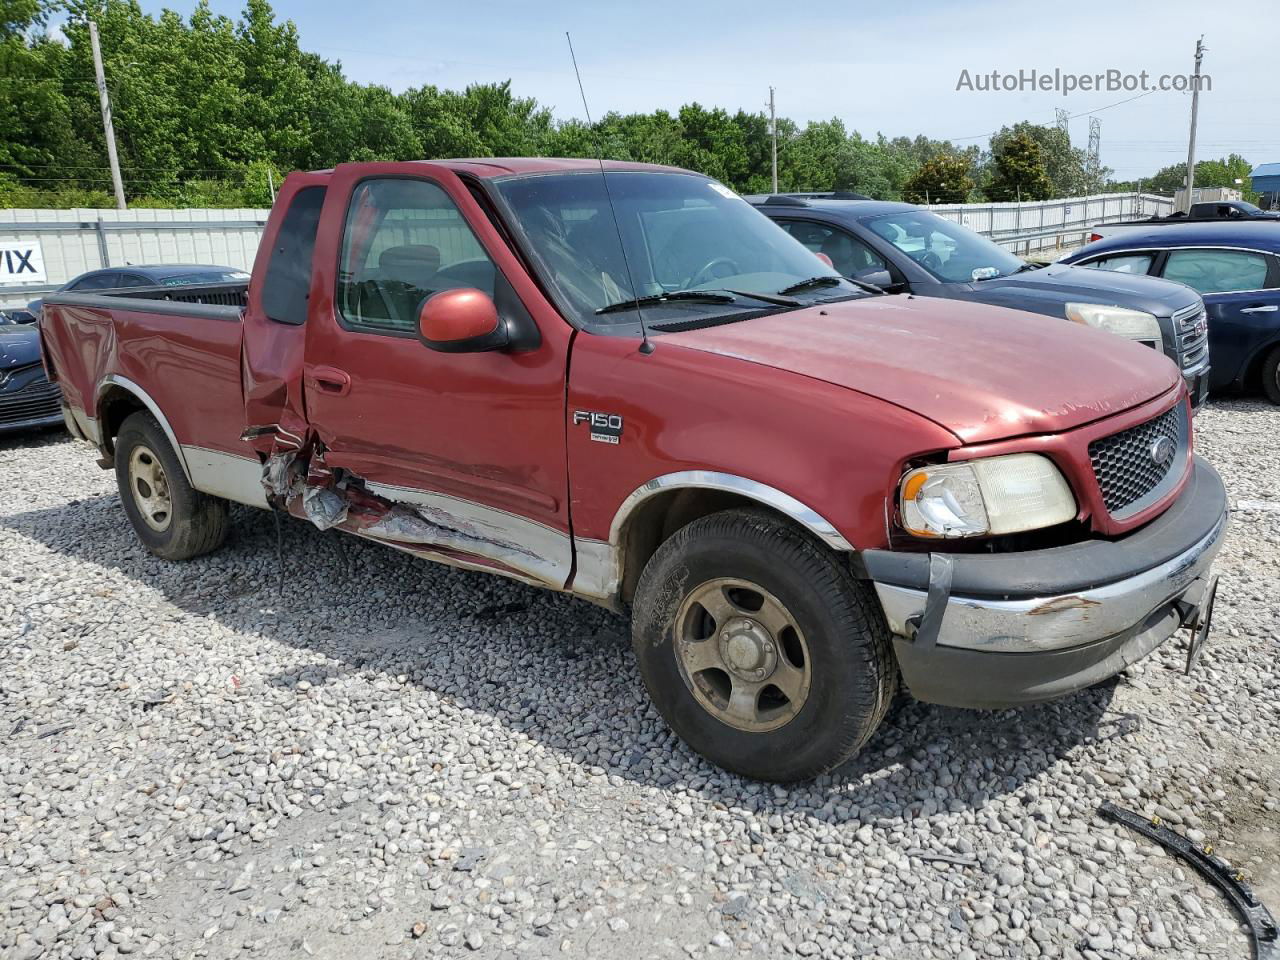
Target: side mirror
{"type": "Point", "coordinates": [881, 278]}
{"type": "Point", "coordinates": [462, 321]}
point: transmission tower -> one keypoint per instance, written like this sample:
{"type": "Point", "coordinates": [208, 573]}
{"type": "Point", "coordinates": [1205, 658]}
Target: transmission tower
{"type": "Point", "coordinates": [1093, 165]}
{"type": "Point", "coordinates": [1061, 117]}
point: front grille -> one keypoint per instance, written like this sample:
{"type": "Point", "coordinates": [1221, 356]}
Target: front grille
{"type": "Point", "coordinates": [36, 401]}
{"type": "Point", "coordinates": [1128, 474]}
{"type": "Point", "coordinates": [1191, 327]}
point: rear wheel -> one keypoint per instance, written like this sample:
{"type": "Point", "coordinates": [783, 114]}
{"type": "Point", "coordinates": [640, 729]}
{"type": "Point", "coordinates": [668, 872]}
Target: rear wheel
{"type": "Point", "coordinates": [172, 519]}
{"type": "Point", "coordinates": [759, 649]}
{"type": "Point", "coordinates": [1271, 376]}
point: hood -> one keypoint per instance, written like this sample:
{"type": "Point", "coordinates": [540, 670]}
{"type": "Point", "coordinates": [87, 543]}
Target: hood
{"type": "Point", "coordinates": [1048, 290]}
{"type": "Point", "coordinates": [19, 345]}
{"type": "Point", "coordinates": [982, 372]}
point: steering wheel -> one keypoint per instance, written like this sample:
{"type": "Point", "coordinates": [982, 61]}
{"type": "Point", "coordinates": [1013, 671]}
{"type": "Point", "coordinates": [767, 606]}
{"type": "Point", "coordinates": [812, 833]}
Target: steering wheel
{"type": "Point", "coordinates": [701, 276]}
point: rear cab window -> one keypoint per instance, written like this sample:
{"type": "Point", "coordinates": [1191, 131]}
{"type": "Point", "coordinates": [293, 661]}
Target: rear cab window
{"type": "Point", "coordinates": [288, 279]}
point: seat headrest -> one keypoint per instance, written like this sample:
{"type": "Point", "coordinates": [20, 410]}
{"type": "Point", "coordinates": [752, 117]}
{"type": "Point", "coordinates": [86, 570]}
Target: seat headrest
{"type": "Point", "coordinates": [411, 260]}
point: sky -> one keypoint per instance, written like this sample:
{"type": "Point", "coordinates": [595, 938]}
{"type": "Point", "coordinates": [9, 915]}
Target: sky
{"type": "Point", "coordinates": [881, 68]}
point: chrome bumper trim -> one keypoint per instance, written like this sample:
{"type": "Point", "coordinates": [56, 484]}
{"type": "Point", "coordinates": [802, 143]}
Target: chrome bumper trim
{"type": "Point", "coordinates": [1041, 624]}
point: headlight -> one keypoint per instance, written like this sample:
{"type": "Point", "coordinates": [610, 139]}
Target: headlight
{"type": "Point", "coordinates": [1131, 324]}
{"type": "Point", "coordinates": [996, 495]}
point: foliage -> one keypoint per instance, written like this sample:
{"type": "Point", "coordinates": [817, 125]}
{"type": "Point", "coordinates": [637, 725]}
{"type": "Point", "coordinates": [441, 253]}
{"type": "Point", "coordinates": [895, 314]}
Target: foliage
{"type": "Point", "coordinates": [1067, 167]}
{"type": "Point", "coordinates": [941, 179]}
{"type": "Point", "coordinates": [204, 107]}
{"type": "Point", "coordinates": [1018, 171]}
{"type": "Point", "coordinates": [1223, 172]}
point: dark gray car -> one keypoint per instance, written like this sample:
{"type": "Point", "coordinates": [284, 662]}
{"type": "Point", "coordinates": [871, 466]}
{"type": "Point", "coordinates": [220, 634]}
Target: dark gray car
{"type": "Point", "coordinates": [905, 248]}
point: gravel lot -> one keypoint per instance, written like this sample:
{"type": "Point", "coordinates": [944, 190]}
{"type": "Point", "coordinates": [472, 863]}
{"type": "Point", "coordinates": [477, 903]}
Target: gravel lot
{"type": "Point", "coordinates": [394, 759]}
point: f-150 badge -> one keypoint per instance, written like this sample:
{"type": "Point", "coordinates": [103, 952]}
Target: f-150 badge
{"type": "Point", "coordinates": [605, 427]}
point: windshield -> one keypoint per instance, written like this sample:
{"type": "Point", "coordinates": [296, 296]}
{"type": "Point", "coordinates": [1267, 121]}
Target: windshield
{"type": "Point", "coordinates": [947, 250]}
{"type": "Point", "coordinates": [682, 232]}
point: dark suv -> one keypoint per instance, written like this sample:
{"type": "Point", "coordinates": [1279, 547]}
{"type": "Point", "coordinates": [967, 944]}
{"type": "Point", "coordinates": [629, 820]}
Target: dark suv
{"type": "Point", "coordinates": [905, 248]}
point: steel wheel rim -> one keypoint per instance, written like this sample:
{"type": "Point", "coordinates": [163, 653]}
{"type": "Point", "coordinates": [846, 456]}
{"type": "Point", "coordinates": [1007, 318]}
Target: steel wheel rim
{"type": "Point", "coordinates": [742, 655]}
{"type": "Point", "coordinates": [150, 488]}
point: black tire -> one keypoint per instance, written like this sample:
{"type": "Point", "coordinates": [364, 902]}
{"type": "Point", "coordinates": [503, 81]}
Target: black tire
{"type": "Point", "coordinates": [1271, 376]}
{"type": "Point", "coordinates": [196, 522]}
{"type": "Point", "coordinates": [852, 677]}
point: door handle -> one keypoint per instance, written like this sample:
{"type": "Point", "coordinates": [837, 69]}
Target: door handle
{"type": "Point", "coordinates": [1261, 308]}
{"type": "Point", "coordinates": [330, 380]}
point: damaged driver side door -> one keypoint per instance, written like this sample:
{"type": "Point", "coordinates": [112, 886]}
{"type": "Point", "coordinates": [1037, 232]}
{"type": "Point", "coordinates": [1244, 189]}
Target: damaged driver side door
{"type": "Point", "coordinates": [459, 456]}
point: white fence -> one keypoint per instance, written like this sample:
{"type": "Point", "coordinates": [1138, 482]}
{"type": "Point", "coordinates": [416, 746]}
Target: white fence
{"type": "Point", "coordinates": [69, 242]}
{"type": "Point", "coordinates": [1046, 224]}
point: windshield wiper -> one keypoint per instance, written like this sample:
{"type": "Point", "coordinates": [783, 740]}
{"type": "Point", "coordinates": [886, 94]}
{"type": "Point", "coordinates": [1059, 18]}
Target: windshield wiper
{"type": "Point", "coordinates": [1000, 276]}
{"type": "Point", "coordinates": [766, 297]}
{"type": "Point", "coordinates": [695, 296]}
{"type": "Point", "coordinates": [830, 281]}
{"type": "Point", "coordinates": [824, 281]}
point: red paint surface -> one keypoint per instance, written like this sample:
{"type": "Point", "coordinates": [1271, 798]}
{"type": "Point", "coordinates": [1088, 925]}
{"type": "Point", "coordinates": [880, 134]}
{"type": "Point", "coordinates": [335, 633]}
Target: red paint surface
{"type": "Point", "coordinates": [985, 373]}
{"type": "Point", "coordinates": [458, 315]}
{"type": "Point", "coordinates": [825, 404]}
{"type": "Point", "coordinates": [192, 370]}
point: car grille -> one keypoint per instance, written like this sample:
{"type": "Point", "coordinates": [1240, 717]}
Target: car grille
{"type": "Point", "coordinates": [39, 400]}
{"type": "Point", "coordinates": [1191, 326]}
{"type": "Point", "coordinates": [1128, 475]}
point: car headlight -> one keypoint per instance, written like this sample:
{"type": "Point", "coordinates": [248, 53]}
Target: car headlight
{"type": "Point", "coordinates": [986, 497]}
{"type": "Point", "coordinates": [1130, 324]}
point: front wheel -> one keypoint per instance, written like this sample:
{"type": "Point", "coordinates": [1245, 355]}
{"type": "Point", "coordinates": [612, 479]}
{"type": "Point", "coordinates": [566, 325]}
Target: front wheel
{"type": "Point", "coordinates": [1271, 376]}
{"type": "Point", "coordinates": [172, 519]}
{"type": "Point", "coordinates": [759, 649]}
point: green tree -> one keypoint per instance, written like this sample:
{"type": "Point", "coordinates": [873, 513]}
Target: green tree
{"type": "Point", "coordinates": [1223, 172]}
{"type": "Point", "coordinates": [1018, 171]}
{"type": "Point", "coordinates": [943, 179]}
{"type": "Point", "coordinates": [1064, 165]}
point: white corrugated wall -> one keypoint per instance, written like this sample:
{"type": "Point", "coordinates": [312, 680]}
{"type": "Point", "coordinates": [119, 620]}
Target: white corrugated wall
{"type": "Point", "coordinates": [225, 237]}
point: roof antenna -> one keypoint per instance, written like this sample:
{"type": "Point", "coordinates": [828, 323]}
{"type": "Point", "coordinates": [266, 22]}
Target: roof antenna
{"type": "Point", "coordinates": [646, 345]}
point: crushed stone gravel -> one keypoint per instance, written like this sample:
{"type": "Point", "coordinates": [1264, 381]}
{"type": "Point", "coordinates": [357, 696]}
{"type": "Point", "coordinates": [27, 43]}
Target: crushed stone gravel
{"type": "Point", "coordinates": [394, 759]}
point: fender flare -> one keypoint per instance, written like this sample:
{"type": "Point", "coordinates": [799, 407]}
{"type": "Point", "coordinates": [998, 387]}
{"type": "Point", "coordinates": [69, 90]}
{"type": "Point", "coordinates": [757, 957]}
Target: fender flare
{"type": "Point", "coordinates": [124, 383]}
{"type": "Point", "coordinates": [599, 563]}
{"type": "Point", "coordinates": [784, 503]}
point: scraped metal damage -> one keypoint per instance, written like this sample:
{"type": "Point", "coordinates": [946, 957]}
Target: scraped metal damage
{"type": "Point", "coordinates": [299, 481]}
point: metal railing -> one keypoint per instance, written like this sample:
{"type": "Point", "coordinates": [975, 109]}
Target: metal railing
{"type": "Point", "coordinates": [1047, 224]}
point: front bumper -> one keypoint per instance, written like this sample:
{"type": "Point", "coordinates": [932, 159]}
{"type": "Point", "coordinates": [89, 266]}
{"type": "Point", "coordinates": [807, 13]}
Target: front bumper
{"type": "Point", "coordinates": [1197, 382]}
{"type": "Point", "coordinates": [28, 400]}
{"type": "Point", "coordinates": [997, 630]}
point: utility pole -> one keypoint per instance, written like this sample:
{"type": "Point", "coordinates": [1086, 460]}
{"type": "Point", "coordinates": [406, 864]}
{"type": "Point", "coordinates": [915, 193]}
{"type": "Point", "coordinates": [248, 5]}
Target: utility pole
{"type": "Point", "coordinates": [108, 129]}
{"type": "Point", "coordinates": [1195, 106]}
{"type": "Point", "coordinates": [1094, 163]}
{"type": "Point", "coordinates": [773, 133]}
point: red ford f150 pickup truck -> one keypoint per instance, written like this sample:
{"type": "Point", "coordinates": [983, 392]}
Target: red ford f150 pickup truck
{"type": "Point", "coordinates": [802, 490]}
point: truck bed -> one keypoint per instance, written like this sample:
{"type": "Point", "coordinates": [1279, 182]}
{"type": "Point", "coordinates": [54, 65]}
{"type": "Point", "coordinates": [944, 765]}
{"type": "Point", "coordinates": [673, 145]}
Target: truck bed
{"type": "Point", "coordinates": [176, 348]}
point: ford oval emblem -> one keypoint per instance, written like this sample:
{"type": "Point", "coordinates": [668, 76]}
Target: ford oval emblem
{"type": "Point", "coordinates": [1162, 449]}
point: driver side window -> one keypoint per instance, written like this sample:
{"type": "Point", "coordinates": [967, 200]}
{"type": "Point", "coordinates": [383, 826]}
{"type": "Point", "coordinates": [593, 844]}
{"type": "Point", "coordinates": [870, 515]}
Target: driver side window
{"type": "Point", "coordinates": [404, 240]}
{"type": "Point", "coordinates": [849, 255]}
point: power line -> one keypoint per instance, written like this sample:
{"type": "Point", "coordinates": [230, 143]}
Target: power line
{"type": "Point", "coordinates": [1060, 119]}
